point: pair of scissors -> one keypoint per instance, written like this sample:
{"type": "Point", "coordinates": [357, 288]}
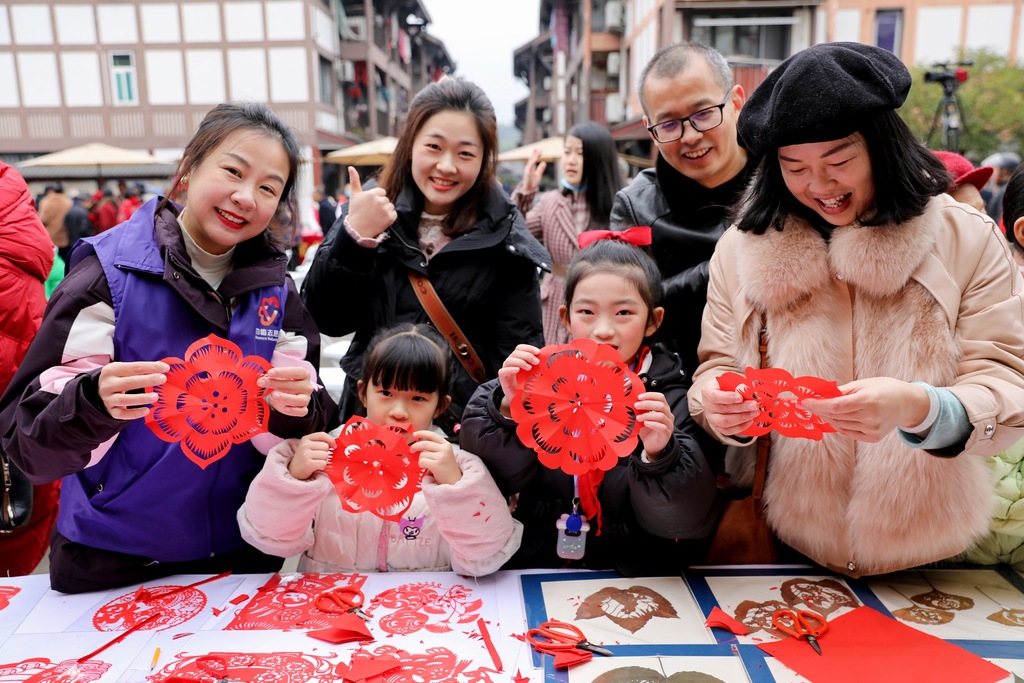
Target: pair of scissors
{"type": "Point", "coordinates": [554, 636]}
{"type": "Point", "coordinates": [341, 600]}
{"type": "Point", "coordinates": [216, 666]}
{"type": "Point", "coordinates": [801, 624]}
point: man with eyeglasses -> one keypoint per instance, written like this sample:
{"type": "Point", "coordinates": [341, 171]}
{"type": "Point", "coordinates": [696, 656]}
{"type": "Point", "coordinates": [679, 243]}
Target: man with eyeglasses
{"type": "Point", "coordinates": [690, 110]}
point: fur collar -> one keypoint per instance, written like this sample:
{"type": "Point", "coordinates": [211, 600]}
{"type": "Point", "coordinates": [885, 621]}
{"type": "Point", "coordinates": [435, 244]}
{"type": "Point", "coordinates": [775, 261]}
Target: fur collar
{"type": "Point", "coordinates": [782, 267]}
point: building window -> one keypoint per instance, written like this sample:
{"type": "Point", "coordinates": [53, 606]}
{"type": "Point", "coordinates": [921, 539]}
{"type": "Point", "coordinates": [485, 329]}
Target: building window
{"type": "Point", "coordinates": [123, 78]}
{"type": "Point", "coordinates": [761, 37]}
{"type": "Point", "coordinates": [326, 89]}
{"type": "Point", "coordinates": [888, 28]}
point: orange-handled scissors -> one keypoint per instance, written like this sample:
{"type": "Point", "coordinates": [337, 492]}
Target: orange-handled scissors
{"type": "Point", "coordinates": [553, 636]}
{"type": "Point", "coordinates": [214, 665]}
{"type": "Point", "coordinates": [341, 600]}
{"type": "Point", "coordinates": [801, 624]}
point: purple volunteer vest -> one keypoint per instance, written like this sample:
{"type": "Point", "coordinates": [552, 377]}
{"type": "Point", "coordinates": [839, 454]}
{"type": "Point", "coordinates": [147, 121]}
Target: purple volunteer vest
{"type": "Point", "coordinates": [145, 497]}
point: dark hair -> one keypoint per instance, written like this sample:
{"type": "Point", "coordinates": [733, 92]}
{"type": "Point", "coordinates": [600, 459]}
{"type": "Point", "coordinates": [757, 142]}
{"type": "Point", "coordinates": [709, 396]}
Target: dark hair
{"type": "Point", "coordinates": [409, 357]}
{"type": "Point", "coordinates": [225, 119]}
{"type": "Point", "coordinates": [1013, 204]}
{"type": "Point", "coordinates": [672, 60]}
{"type": "Point", "coordinates": [600, 170]}
{"type": "Point", "coordinates": [618, 258]}
{"type": "Point", "coordinates": [905, 174]}
{"type": "Point", "coordinates": [453, 94]}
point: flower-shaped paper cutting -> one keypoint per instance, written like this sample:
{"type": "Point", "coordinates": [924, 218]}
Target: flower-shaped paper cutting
{"type": "Point", "coordinates": [210, 401]}
{"type": "Point", "coordinates": [373, 469]}
{"type": "Point", "coordinates": [575, 408]}
{"type": "Point", "coordinates": [778, 394]}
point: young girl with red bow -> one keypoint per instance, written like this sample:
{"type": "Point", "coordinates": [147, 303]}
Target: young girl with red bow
{"type": "Point", "coordinates": [654, 512]}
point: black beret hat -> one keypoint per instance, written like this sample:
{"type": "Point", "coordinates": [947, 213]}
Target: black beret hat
{"type": "Point", "coordinates": [825, 92]}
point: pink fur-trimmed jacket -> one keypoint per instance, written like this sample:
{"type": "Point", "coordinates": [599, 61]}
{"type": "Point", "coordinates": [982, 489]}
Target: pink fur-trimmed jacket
{"type": "Point", "coordinates": [937, 299]}
{"type": "Point", "coordinates": [465, 527]}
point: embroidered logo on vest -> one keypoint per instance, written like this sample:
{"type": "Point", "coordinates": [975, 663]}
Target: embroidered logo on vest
{"type": "Point", "coordinates": [269, 310]}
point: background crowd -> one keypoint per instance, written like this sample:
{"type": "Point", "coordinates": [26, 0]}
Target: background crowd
{"type": "Point", "coordinates": [801, 225]}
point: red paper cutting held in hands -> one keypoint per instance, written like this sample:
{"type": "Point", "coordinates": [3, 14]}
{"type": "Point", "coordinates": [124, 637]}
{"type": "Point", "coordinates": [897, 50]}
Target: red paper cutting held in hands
{"type": "Point", "coordinates": [778, 394]}
{"type": "Point", "coordinates": [211, 400]}
{"type": "Point", "coordinates": [373, 469]}
{"type": "Point", "coordinates": [575, 408]}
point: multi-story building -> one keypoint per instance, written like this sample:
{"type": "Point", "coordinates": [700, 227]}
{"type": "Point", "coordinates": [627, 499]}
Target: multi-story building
{"type": "Point", "coordinates": [142, 74]}
{"type": "Point", "coordinates": [586, 60]}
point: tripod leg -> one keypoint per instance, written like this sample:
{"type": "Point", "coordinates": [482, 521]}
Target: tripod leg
{"type": "Point", "coordinates": [936, 123]}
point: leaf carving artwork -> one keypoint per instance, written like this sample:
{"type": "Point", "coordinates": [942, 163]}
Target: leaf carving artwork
{"type": "Point", "coordinates": [631, 608]}
{"type": "Point", "coordinates": [757, 616]}
{"type": "Point", "coordinates": [824, 596]}
{"type": "Point", "coordinates": [641, 674]}
{"type": "Point", "coordinates": [921, 614]}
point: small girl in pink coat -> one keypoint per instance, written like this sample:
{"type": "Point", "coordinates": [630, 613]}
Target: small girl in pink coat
{"type": "Point", "coordinates": [459, 521]}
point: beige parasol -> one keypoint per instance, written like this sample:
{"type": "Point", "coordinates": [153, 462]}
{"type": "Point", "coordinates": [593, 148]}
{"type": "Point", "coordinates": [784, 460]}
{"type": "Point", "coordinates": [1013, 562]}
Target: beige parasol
{"type": "Point", "coordinates": [550, 150]}
{"type": "Point", "coordinates": [97, 160]}
{"type": "Point", "coordinates": [372, 153]}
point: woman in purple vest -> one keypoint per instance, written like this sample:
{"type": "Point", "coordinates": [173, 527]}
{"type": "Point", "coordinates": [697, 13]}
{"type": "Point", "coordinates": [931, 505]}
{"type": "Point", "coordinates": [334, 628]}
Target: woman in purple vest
{"type": "Point", "coordinates": [133, 506]}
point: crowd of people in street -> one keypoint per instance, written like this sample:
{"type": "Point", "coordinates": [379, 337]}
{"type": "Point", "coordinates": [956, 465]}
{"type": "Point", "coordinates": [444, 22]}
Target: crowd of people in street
{"type": "Point", "coordinates": [801, 226]}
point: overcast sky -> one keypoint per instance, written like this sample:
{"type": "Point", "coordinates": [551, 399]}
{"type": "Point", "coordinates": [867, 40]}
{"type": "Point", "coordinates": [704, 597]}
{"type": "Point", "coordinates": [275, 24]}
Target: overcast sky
{"type": "Point", "coordinates": [480, 36]}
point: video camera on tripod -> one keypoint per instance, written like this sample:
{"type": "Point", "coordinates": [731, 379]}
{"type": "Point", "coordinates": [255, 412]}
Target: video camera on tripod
{"type": "Point", "coordinates": [949, 75]}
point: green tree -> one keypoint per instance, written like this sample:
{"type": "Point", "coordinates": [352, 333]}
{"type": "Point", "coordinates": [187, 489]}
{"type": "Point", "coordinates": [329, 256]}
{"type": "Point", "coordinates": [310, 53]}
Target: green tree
{"type": "Point", "coordinates": [991, 103]}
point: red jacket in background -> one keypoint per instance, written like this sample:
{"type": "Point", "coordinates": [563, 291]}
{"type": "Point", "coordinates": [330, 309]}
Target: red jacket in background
{"type": "Point", "coordinates": [26, 257]}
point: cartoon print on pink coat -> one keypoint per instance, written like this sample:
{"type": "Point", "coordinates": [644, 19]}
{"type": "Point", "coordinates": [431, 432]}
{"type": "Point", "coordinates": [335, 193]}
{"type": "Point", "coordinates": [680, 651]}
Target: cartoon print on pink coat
{"type": "Point", "coordinates": [631, 608]}
{"type": "Point", "coordinates": [411, 527]}
{"type": "Point", "coordinates": [824, 596]}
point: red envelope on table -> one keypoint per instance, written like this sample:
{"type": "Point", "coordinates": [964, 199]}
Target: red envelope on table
{"type": "Point", "coordinates": [347, 628]}
{"type": "Point", "coordinates": [719, 619]}
{"type": "Point", "coordinates": [210, 401]}
{"type": "Point", "coordinates": [575, 408]}
{"type": "Point", "coordinates": [865, 645]}
{"type": "Point", "coordinates": [777, 394]}
{"type": "Point", "coordinates": [373, 469]}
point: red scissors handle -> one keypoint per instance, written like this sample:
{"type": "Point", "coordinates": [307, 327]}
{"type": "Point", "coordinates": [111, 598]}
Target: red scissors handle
{"type": "Point", "coordinates": [214, 665]}
{"type": "Point", "coordinates": [341, 600]}
{"type": "Point", "coordinates": [554, 636]}
{"type": "Point", "coordinates": [801, 624]}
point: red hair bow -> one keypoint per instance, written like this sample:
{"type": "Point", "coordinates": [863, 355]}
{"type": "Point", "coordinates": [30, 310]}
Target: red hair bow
{"type": "Point", "coordinates": [639, 236]}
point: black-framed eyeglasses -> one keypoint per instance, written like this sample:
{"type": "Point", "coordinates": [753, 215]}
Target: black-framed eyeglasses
{"type": "Point", "coordinates": [702, 121]}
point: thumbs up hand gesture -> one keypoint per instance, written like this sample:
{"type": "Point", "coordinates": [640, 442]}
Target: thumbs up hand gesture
{"type": "Point", "coordinates": [370, 212]}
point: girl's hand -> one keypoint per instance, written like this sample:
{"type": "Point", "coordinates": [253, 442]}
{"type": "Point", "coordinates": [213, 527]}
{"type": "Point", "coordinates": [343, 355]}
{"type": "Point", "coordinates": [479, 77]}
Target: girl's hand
{"type": "Point", "coordinates": [657, 424]}
{"type": "Point", "coordinates": [121, 386]}
{"type": "Point", "coordinates": [869, 409]}
{"type": "Point", "coordinates": [533, 172]}
{"type": "Point", "coordinates": [523, 358]}
{"type": "Point", "coordinates": [726, 411]}
{"type": "Point", "coordinates": [290, 389]}
{"type": "Point", "coordinates": [371, 212]}
{"type": "Point", "coordinates": [311, 456]}
{"type": "Point", "coordinates": [436, 456]}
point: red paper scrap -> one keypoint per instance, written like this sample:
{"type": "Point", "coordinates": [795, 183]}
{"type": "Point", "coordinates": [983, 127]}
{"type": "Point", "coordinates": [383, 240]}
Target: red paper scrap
{"type": "Point", "coordinates": [778, 394]}
{"type": "Point", "coordinates": [348, 628]}
{"type": "Point", "coordinates": [373, 469]}
{"type": "Point", "coordinates": [571, 657]}
{"type": "Point", "coordinates": [239, 599]}
{"type": "Point", "coordinates": [217, 611]}
{"type": "Point", "coordinates": [865, 645]}
{"type": "Point", "coordinates": [720, 619]}
{"type": "Point", "coordinates": [210, 401]}
{"type": "Point", "coordinates": [520, 678]}
{"type": "Point", "coordinates": [575, 408]}
{"type": "Point", "coordinates": [489, 644]}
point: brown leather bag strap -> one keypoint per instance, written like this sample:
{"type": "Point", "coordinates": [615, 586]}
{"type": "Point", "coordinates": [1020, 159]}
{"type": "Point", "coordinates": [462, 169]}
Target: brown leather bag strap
{"type": "Point", "coordinates": [444, 322]}
{"type": "Point", "coordinates": [763, 442]}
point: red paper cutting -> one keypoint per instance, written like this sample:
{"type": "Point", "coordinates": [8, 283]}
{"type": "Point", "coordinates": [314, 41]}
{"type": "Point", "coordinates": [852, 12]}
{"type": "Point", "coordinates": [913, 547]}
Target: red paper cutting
{"type": "Point", "coordinates": [365, 668]}
{"type": "Point", "coordinates": [128, 610]}
{"type": "Point", "coordinates": [777, 394]}
{"type": "Point", "coordinates": [283, 605]}
{"type": "Point", "coordinates": [6, 593]}
{"type": "Point", "coordinates": [42, 670]}
{"type": "Point", "coordinates": [575, 408]}
{"type": "Point", "coordinates": [719, 619]}
{"type": "Point", "coordinates": [279, 667]}
{"type": "Point", "coordinates": [210, 401]}
{"type": "Point", "coordinates": [865, 645]}
{"type": "Point", "coordinates": [425, 606]}
{"type": "Point", "coordinates": [435, 665]}
{"type": "Point", "coordinates": [373, 469]}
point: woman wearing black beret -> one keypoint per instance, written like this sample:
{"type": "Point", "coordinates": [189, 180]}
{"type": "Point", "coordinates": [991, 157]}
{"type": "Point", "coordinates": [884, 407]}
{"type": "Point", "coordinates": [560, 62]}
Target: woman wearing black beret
{"type": "Point", "coordinates": [863, 271]}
